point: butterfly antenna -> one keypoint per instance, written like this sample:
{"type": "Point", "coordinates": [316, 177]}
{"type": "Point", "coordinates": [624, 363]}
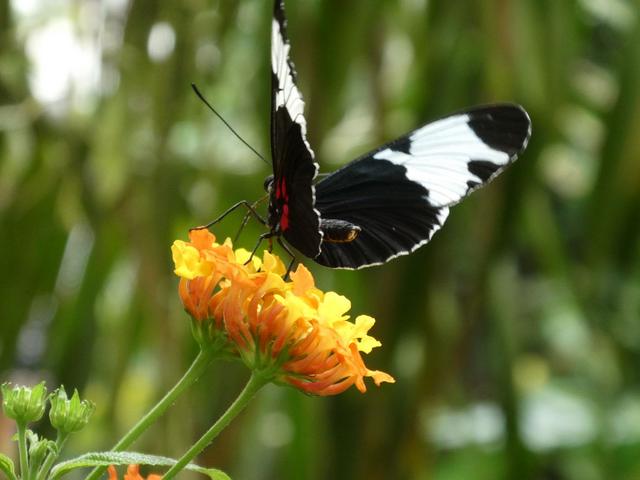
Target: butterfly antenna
{"type": "Point", "coordinates": [204, 100]}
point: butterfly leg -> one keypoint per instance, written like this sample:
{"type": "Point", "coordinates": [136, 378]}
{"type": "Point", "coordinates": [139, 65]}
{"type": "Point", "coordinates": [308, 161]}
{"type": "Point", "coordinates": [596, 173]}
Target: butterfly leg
{"type": "Point", "coordinates": [255, 249]}
{"type": "Point", "coordinates": [245, 220]}
{"type": "Point", "coordinates": [242, 203]}
{"type": "Point", "coordinates": [247, 216]}
{"type": "Point", "coordinates": [288, 250]}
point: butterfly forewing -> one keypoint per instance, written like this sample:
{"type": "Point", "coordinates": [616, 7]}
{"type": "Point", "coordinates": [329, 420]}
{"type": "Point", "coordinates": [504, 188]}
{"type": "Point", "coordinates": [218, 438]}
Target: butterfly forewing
{"type": "Point", "coordinates": [399, 195]}
{"type": "Point", "coordinates": [292, 197]}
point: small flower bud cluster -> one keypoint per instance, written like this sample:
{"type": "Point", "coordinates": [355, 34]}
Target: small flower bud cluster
{"type": "Point", "coordinates": [27, 405]}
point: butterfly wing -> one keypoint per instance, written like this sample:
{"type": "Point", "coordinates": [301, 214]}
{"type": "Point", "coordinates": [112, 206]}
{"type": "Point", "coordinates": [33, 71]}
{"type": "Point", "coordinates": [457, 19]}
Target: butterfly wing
{"type": "Point", "coordinates": [399, 195]}
{"type": "Point", "coordinates": [294, 168]}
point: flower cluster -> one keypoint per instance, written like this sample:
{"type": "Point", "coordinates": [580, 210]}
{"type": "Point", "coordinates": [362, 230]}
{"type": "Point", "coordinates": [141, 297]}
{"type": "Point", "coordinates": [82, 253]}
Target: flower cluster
{"type": "Point", "coordinates": [288, 330]}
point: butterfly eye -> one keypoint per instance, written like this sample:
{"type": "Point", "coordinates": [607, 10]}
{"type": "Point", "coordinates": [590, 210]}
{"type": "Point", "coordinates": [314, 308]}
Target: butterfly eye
{"type": "Point", "coordinates": [268, 183]}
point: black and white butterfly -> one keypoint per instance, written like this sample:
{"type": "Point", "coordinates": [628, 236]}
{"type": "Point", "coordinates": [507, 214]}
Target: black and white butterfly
{"type": "Point", "coordinates": [388, 202]}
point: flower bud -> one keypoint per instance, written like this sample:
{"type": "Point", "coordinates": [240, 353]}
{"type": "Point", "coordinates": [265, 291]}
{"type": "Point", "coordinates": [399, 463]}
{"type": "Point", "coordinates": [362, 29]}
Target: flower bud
{"type": "Point", "coordinates": [24, 404]}
{"type": "Point", "coordinates": [69, 416]}
{"type": "Point", "coordinates": [39, 447]}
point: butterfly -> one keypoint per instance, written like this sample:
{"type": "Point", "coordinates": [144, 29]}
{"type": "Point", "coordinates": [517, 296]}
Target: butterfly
{"type": "Point", "coordinates": [390, 201]}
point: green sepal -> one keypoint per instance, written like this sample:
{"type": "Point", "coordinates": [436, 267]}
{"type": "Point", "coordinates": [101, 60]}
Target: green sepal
{"type": "Point", "coordinates": [7, 467]}
{"type": "Point", "coordinates": [104, 459]}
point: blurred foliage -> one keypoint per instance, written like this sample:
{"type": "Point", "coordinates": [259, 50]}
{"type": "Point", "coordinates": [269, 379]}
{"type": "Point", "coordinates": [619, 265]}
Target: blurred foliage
{"type": "Point", "coordinates": [514, 335]}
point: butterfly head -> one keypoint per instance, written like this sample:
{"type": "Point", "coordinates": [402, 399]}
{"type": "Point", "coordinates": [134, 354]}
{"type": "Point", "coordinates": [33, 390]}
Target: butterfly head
{"type": "Point", "coordinates": [268, 184]}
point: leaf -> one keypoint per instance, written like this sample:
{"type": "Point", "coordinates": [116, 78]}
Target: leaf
{"type": "Point", "coordinates": [6, 466]}
{"type": "Point", "coordinates": [104, 459]}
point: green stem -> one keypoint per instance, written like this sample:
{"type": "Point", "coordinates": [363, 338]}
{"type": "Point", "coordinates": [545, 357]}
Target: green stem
{"type": "Point", "coordinates": [51, 457]}
{"type": "Point", "coordinates": [22, 448]}
{"type": "Point", "coordinates": [196, 370]}
{"type": "Point", "coordinates": [255, 383]}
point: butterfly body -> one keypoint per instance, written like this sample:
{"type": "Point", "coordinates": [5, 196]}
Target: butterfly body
{"type": "Point", "coordinates": [390, 201]}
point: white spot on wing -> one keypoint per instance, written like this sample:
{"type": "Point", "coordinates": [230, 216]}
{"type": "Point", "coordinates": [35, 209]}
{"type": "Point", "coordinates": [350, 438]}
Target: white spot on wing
{"type": "Point", "coordinates": [439, 156]}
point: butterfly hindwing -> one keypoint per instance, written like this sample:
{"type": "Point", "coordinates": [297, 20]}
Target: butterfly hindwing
{"type": "Point", "coordinates": [391, 211]}
{"type": "Point", "coordinates": [294, 168]}
{"type": "Point", "coordinates": [399, 195]}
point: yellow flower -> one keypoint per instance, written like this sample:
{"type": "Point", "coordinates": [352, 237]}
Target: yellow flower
{"type": "Point", "coordinates": [290, 331]}
{"type": "Point", "coordinates": [133, 473]}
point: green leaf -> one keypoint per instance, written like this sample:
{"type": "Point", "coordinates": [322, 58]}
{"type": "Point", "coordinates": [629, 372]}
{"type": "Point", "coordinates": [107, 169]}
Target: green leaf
{"type": "Point", "coordinates": [6, 466]}
{"type": "Point", "coordinates": [103, 459]}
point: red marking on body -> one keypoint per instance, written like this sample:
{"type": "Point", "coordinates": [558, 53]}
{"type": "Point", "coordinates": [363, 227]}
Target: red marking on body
{"type": "Point", "coordinates": [278, 192]}
{"type": "Point", "coordinates": [284, 190]}
{"type": "Point", "coordinates": [284, 219]}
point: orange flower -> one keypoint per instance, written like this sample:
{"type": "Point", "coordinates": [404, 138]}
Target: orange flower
{"type": "Point", "coordinates": [201, 265]}
{"type": "Point", "coordinates": [133, 473]}
{"type": "Point", "coordinates": [289, 331]}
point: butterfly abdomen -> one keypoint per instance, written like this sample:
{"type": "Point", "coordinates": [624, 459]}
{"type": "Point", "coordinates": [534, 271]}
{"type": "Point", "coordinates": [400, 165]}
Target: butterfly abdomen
{"type": "Point", "coordinates": [338, 231]}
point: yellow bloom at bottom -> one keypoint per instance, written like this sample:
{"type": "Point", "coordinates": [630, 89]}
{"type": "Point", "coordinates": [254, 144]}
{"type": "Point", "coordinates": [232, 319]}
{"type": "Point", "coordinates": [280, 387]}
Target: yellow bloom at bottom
{"type": "Point", "coordinates": [290, 330]}
{"type": "Point", "coordinates": [133, 473]}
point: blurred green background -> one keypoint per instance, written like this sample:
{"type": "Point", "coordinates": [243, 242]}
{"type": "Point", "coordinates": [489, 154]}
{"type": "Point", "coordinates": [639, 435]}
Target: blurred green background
{"type": "Point", "coordinates": [514, 335]}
